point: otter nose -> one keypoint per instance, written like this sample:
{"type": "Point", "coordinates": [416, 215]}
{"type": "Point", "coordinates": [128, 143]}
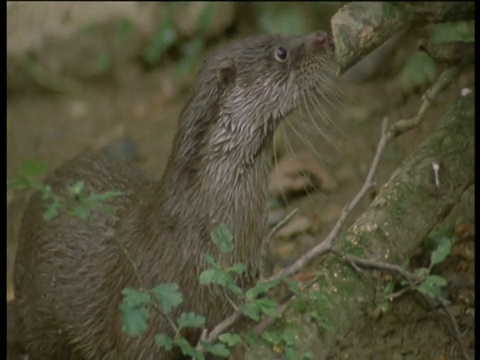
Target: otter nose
{"type": "Point", "coordinates": [320, 37]}
{"type": "Point", "coordinates": [320, 41]}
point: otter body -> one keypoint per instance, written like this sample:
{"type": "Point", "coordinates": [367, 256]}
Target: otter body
{"type": "Point", "coordinates": [69, 272]}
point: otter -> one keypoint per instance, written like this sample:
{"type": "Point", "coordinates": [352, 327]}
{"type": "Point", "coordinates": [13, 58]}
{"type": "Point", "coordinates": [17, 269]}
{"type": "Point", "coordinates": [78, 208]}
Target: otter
{"type": "Point", "coordinates": [69, 272]}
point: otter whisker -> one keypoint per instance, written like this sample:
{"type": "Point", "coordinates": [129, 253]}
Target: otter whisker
{"type": "Point", "coordinates": [325, 115]}
{"type": "Point", "coordinates": [312, 119]}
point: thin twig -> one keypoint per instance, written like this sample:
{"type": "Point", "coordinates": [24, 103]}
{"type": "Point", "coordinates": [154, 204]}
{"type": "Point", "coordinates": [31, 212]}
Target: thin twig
{"type": "Point", "coordinates": [326, 245]}
{"type": "Point", "coordinates": [456, 330]}
{"type": "Point", "coordinates": [224, 325]}
{"type": "Point", "coordinates": [322, 248]}
{"type": "Point", "coordinates": [260, 328]}
{"type": "Point", "coordinates": [404, 125]}
{"type": "Point", "coordinates": [268, 238]}
{"type": "Point", "coordinates": [413, 279]}
{"type": "Point", "coordinates": [376, 264]}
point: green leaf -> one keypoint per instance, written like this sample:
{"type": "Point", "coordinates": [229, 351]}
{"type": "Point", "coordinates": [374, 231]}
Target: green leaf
{"type": "Point", "coordinates": [32, 168]}
{"type": "Point", "coordinates": [47, 192]}
{"type": "Point", "coordinates": [271, 337]}
{"type": "Point", "coordinates": [421, 272]}
{"type": "Point", "coordinates": [193, 48]}
{"type": "Point", "coordinates": [220, 277]}
{"type": "Point", "coordinates": [189, 350]}
{"type": "Point", "coordinates": [212, 276]}
{"type": "Point", "coordinates": [252, 310]}
{"type": "Point", "coordinates": [21, 181]}
{"type": "Point", "coordinates": [52, 210]}
{"type": "Point", "coordinates": [440, 253]}
{"type": "Point", "coordinates": [101, 197]}
{"type": "Point", "coordinates": [384, 306]}
{"type": "Point", "coordinates": [164, 37]}
{"type": "Point", "coordinates": [83, 212]}
{"type": "Point", "coordinates": [77, 188]}
{"type": "Point", "coordinates": [292, 353]}
{"type": "Point", "coordinates": [105, 61]}
{"type": "Point", "coordinates": [324, 321]}
{"type": "Point", "coordinates": [211, 261]}
{"type": "Point", "coordinates": [439, 236]}
{"type": "Point", "coordinates": [165, 341]}
{"type": "Point", "coordinates": [288, 338]}
{"type": "Point", "coordinates": [406, 264]}
{"type": "Point", "coordinates": [135, 319]}
{"type": "Point", "coordinates": [301, 306]}
{"type": "Point", "coordinates": [206, 18]}
{"type": "Point", "coordinates": [388, 289]}
{"type": "Point", "coordinates": [89, 29]}
{"type": "Point", "coordinates": [418, 70]}
{"type": "Point", "coordinates": [238, 268]}
{"type": "Point", "coordinates": [169, 295]}
{"type": "Point", "coordinates": [267, 306]}
{"type": "Point", "coordinates": [50, 213]}
{"type": "Point", "coordinates": [222, 237]}
{"type": "Point", "coordinates": [216, 349]}
{"type": "Point", "coordinates": [231, 339]}
{"type": "Point", "coordinates": [125, 29]}
{"type": "Point", "coordinates": [191, 320]}
{"type": "Point", "coordinates": [133, 297]}
{"type": "Point", "coordinates": [308, 355]}
{"type": "Point", "coordinates": [432, 285]}
{"type": "Point", "coordinates": [234, 289]}
{"type": "Point", "coordinates": [292, 285]}
{"type": "Point", "coordinates": [319, 295]}
{"type": "Point", "coordinates": [261, 288]}
{"type": "Point", "coordinates": [252, 339]}
{"type": "Point", "coordinates": [451, 32]}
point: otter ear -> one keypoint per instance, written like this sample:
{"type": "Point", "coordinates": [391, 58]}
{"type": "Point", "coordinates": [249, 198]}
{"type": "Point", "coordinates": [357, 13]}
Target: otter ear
{"type": "Point", "coordinates": [226, 74]}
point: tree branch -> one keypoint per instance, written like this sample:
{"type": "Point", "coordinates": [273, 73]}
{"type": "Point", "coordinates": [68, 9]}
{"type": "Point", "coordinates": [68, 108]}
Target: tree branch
{"type": "Point", "coordinates": [359, 28]}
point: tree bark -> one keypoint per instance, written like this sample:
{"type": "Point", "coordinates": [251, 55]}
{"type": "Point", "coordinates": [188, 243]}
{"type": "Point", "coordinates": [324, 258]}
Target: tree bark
{"type": "Point", "coordinates": [406, 209]}
{"type": "Point", "coordinates": [359, 28]}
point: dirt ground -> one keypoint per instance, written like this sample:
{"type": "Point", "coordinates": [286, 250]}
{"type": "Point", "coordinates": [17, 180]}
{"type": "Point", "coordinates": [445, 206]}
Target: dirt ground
{"type": "Point", "coordinates": [57, 127]}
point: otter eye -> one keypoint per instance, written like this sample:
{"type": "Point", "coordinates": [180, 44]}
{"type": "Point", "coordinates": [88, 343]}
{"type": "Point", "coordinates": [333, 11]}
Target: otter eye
{"type": "Point", "coordinates": [281, 54]}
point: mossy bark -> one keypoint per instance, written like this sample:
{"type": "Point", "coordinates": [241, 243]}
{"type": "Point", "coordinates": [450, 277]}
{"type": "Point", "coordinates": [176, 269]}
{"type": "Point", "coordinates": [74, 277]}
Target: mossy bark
{"type": "Point", "coordinates": [406, 209]}
{"type": "Point", "coordinates": [359, 28]}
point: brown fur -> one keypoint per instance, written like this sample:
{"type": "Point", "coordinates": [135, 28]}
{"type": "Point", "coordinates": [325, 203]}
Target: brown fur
{"type": "Point", "coordinates": [69, 273]}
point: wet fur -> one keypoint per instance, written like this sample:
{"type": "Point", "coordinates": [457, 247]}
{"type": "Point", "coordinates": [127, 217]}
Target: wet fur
{"type": "Point", "coordinates": [69, 273]}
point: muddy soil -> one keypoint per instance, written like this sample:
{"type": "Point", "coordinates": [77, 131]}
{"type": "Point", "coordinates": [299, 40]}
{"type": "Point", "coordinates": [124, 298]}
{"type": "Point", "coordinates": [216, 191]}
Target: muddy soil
{"type": "Point", "coordinates": [57, 127]}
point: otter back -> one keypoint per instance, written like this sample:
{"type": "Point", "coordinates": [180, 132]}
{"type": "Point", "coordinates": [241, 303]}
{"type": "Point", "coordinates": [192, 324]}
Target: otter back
{"type": "Point", "coordinates": [69, 272]}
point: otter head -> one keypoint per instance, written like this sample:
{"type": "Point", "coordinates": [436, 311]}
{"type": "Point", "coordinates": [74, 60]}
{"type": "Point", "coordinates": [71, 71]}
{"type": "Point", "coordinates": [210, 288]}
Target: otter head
{"type": "Point", "coordinates": [246, 88]}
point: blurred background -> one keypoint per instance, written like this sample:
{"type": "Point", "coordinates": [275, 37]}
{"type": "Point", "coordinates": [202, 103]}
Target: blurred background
{"type": "Point", "coordinates": [113, 76]}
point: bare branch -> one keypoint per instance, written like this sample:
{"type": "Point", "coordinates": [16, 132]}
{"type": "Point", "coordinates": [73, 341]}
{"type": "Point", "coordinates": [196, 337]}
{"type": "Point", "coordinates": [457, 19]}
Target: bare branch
{"type": "Point", "coordinates": [326, 245]}
{"type": "Point", "coordinates": [268, 238]}
{"type": "Point", "coordinates": [264, 325]}
{"type": "Point", "coordinates": [404, 125]}
{"type": "Point", "coordinates": [322, 248]}
{"type": "Point", "coordinates": [360, 27]}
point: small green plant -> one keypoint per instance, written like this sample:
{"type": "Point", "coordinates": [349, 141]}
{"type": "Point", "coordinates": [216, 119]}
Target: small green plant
{"type": "Point", "coordinates": [422, 279]}
{"type": "Point", "coordinates": [451, 32]}
{"type": "Point", "coordinates": [167, 34]}
{"type": "Point", "coordinates": [419, 69]}
{"type": "Point", "coordinates": [78, 201]}
{"type": "Point", "coordinates": [105, 59]}
{"type": "Point", "coordinates": [433, 284]}
{"type": "Point", "coordinates": [253, 302]}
